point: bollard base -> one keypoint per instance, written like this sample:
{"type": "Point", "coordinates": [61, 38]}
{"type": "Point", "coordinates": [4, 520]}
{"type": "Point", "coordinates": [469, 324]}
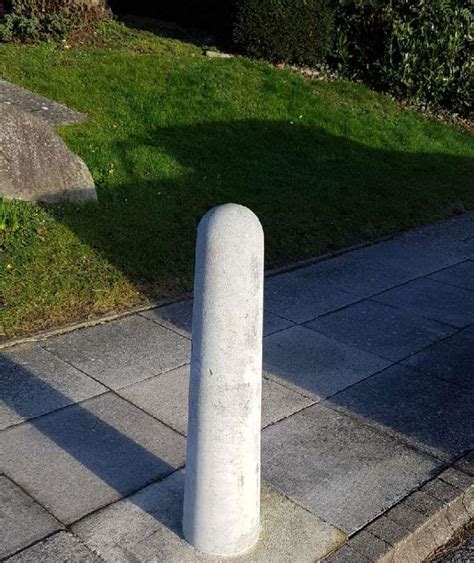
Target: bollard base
{"type": "Point", "coordinates": [148, 526]}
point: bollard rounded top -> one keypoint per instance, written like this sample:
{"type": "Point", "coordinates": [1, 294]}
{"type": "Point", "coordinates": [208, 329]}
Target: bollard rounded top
{"type": "Point", "coordinates": [231, 218]}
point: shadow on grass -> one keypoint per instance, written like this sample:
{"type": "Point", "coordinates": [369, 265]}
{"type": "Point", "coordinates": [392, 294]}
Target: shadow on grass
{"type": "Point", "coordinates": [165, 28]}
{"type": "Point", "coordinates": [312, 191]}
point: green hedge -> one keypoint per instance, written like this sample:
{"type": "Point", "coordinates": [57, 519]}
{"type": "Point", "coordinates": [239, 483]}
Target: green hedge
{"type": "Point", "coordinates": [420, 51]}
{"type": "Point", "coordinates": [297, 31]}
{"type": "Point", "coordinates": [36, 20]}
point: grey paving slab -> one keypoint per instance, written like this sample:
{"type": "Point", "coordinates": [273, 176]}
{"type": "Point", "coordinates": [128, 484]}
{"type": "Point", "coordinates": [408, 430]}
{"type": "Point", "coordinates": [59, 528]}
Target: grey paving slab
{"type": "Point", "coordinates": [457, 478]}
{"type": "Point", "coordinates": [441, 490]}
{"type": "Point", "coordinates": [433, 300]}
{"type": "Point", "coordinates": [301, 296]}
{"type": "Point", "coordinates": [358, 274]}
{"type": "Point", "coordinates": [461, 275]}
{"type": "Point", "coordinates": [405, 516]}
{"type": "Point", "coordinates": [382, 330]}
{"type": "Point", "coordinates": [179, 317]}
{"type": "Point", "coordinates": [122, 352]}
{"type": "Point", "coordinates": [387, 530]}
{"type": "Point", "coordinates": [147, 527]}
{"type": "Point", "coordinates": [452, 360]}
{"type": "Point", "coordinates": [346, 554]}
{"type": "Point", "coordinates": [62, 547]}
{"type": "Point", "coordinates": [429, 413]}
{"type": "Point", "coordinates": [369, 545]}
{"type": "Point", "coordinates": [165, 397]}
{"type": "Point", "coordinates": [454, 238]}
{"type": "Point", "coordinates": [460, 227]}
{"type": "Point", "coordinates": [22, 520]}
{"type": "Point", "coordinates": [342, 470]}
{"type": "Point", "coordinates": [52, 112]}
{"type": "Point", "coordinates": [78, 459]}
{"type": "Point", "coordinates": [405, 256]}
{"type": "Point", "coordinates": [315, 365]}
{"type": "Point", "coordinates": [34, 382]}
{"type": "Point", "coordinates": [466, 464]}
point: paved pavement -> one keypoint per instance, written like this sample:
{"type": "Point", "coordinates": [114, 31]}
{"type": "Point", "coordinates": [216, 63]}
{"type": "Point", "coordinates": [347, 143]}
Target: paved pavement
{"type": "Point", "coordinates": [367, 395]}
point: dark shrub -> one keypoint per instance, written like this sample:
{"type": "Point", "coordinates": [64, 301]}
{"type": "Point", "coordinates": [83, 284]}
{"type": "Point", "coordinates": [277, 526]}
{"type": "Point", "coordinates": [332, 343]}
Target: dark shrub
{"type": "Point", "coordinates": [298, 31]}
{"type": "Point", "coordinates": [34, 20]}
{"type": "Point", "coordinates": [421, 51]}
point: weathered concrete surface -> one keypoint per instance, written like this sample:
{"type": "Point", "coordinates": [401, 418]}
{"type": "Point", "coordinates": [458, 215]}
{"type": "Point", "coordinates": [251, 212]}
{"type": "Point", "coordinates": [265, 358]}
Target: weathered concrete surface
{"type": "Point", "coordinates": [34, 382]}
{"type": "Point", "coordinates": [62, 547]}
{"type": "Point", "coordinates": [379, 329]}
{"type": "Point", "coordinates": [147, 527]}
{"type": "Point", "coordinates": [314, 365]}
{"type": "Point", "coordinates": [278, 401]}
{"type": "Point", "coordinates": [460, 275]}
{"type": "Point", "coordinates": [344, 471]}
{"type": "Point", "coordinates": [428, 403]}
{"type": "Point", "coordinates": [35, 163]}
{"type": "Point", "coordinates": [50, 111]}
{"type": "Point", "coordinates": [450, 360]}
{"type": "Point", "coordinates": [123, 352]}
{"type": "Point", "coordinates": [178, 317]}
{"type": "Point", "coordinates": [83, 457]}
{"type": "Point", "coordinates": [22, 520]}
{"type": "Point", "coordinates": [433, 300]}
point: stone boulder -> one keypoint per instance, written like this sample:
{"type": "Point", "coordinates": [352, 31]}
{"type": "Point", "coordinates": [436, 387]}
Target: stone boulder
{"type": "Point", "coordinates": [35, 163]}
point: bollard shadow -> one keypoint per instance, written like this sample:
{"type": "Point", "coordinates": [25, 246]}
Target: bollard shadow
{"type": "Point", "coordinates": [432, 412]}
{"type": "Point", "coordinates": [341, 192]}
{"type": "Point", "coordinates": [114, 458]}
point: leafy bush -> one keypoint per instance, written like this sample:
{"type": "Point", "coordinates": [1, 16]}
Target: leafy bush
{"type": "Point", "coordinates": [298, 31]}
{"type": "Point", "coordinates": [35, 20]}
{"type": "Point", "coordinates": [420, 51]}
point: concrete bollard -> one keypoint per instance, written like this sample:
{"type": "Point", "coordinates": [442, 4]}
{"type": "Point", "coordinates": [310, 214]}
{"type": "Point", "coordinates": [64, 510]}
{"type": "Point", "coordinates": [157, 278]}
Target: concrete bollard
{"type": "Point", "coordinates": [221, 513]}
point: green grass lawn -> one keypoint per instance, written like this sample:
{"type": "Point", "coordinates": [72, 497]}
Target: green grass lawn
{"type": "Point", "coordinates": [172, 133]}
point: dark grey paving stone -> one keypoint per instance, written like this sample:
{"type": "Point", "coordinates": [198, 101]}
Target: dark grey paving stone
{"type": "Point", "coordinates": [301, 295]}
{"type": "Point", "coordinates": [358, 274]}
{"type": "Point", "coordinates": [452, 359]}
{"type": "Point", "coordinates": [440, 490]}
{"type": "Point", "coordinates": [466, 464]}
{"type": "Point", "coordinates": [86, 456]}
{"type": "Point", "coordinates": [346, 554]}
{"type": "Point", "coordinates": [34, 382]}
{"type": "Point", "coordinates": [405, 256]}
{"type": "Point", "coordinates": [382, 330]}
{"type": "Point", "coordinates": [340, 469]}
{"type": "Point", "coordinates": [22, 520]}
{"type": "Point", "coordinates": [428, 413]}
{"type": "Point", "coordinates": [166, 398]}
{"type": "Point", "coordinates": [461, 275]}
{"type": "Point", "coordinates": [122, 352]}
{"type": "Point", "coordinates": [460, 227]}
{"type": "Point", "coordinates": [369, 545]}
{"type": "Point", "coordinates": [432, 300]}
{"type": "Point", "coordinates": [387, 530]}
{"type": "Point", "coordinates": [454, 238]}
{"type": "Point", "coordinates": [179, 317]}
{"type": "Point", "coordinates": [52, 112]}
{"type": "Point", "coordinates": [62, 547]}
{"type": "Point", "coordinates": [459, 479]}
{"type": "Point", "coordinates": [315, 365]}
